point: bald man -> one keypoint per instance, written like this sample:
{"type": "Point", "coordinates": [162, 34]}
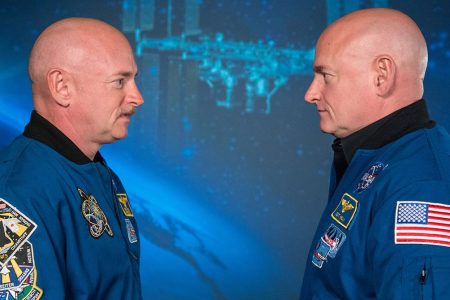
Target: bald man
{"type": "Point", "coordinates": [69, 231]}
{"type": "Point", "coordinates": [385, 232]}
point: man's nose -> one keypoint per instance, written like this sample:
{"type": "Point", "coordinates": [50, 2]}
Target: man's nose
{"type": "Point", "coordinates": [312, 93]}
{"type": "Point", "coordinates": [135, 96]}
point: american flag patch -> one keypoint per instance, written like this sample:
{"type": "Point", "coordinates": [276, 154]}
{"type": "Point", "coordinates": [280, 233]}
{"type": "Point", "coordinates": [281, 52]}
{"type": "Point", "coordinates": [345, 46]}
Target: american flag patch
{"type": "Point", "coordinates": [422, 223]}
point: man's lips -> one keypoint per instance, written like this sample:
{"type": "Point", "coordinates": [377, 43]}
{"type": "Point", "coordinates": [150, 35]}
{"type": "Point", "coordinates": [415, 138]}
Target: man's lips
{"type": "Point", "coordinates": [128, 113]}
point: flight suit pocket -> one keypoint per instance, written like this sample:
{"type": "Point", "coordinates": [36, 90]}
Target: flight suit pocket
{"type": "Point", "coordinates": [417, 278]}
{"type": "Point", "coordinates": [426, 278]}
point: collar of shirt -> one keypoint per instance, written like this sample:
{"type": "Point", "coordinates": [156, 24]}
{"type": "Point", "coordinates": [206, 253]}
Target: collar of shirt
{"type": "Point", "coordinates": [45, 132]}
{"type": "Point", "coordinates": [380, 133]}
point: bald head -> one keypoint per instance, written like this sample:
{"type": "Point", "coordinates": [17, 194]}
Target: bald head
{"type": "Point", "coordinates": [83, 81]}
{"type": "Point", "coordinates": [369, 33]}
{"type": "Point", "coordinates": [367, 65]}
{"type": "Point", "coordinates": [70, 44]}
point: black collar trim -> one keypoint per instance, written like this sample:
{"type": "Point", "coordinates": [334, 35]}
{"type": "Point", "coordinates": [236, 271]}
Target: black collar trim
{"type": "Point", "coordinates": [45, 132]}
{"type": "Point", "coordinates": [390, 128]}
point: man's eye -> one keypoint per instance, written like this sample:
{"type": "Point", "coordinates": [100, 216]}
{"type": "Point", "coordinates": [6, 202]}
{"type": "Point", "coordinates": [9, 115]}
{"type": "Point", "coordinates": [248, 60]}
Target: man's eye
{"type": "Point", "coordinates": [326, 76]}
{"type": "Point", "coordinates": [119, 83]}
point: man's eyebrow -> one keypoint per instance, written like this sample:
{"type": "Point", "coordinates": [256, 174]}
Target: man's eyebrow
{"type": "Point", "coordinates": [319, 69]}
{"type": "Point", "coordinates": [124, 74]}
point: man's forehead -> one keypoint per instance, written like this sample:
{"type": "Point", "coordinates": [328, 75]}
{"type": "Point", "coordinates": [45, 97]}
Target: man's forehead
{"type": "Point", "coordinates": [335, 45]}
{"type": "Point", "coordinates": [323, 53]}
{"type": "Point", "coordinates": [106, 66]}
{"type": "Point", "coordinates": [332, 36]}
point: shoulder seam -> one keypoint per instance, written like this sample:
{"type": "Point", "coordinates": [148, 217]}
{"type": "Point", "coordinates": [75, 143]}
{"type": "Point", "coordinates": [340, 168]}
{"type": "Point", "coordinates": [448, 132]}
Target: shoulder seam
{"type": "Point", "coordinates": [12, 165]}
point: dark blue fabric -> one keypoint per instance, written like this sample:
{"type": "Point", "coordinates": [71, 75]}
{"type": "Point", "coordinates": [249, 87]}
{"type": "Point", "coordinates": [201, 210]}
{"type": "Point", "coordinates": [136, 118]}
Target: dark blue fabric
{"type": "Point", "coordinates": [367, 263]}
{"type": "Point", "coordinates": [71, 263]}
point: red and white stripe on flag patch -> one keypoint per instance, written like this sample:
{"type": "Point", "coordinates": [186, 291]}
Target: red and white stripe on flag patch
{"type": "Point", "coordinates": [422, 223]}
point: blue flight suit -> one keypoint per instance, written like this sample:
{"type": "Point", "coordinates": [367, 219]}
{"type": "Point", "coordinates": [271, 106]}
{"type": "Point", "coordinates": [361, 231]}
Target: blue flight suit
{"type": "Point", "coordinates": [372, 241]}
{"type": "Point", "coordinates": [68, 226]}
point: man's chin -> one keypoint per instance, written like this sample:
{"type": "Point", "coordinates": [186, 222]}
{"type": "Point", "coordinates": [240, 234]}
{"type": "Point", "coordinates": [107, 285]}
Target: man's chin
{"type": "Point", "coordinates": [118, 136]}
{"type": "Point", "coordinates": [326, 129]}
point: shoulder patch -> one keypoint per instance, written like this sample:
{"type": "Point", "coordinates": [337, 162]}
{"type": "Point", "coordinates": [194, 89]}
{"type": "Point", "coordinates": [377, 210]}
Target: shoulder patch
{"type": "Point", "coordinates": [418, 222]}
{"type": "Point", "coordinates": [17, 268]}
{"type": "Point", "coordinates": [27, 291]}
{"type": "Point", "coordinates": [346, 210]}
{"type": "Point", "coordinates": [15, 230]}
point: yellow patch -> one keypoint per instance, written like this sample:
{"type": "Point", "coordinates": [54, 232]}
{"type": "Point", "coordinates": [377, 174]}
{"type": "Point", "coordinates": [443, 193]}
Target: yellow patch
{"type": "Point", "coordinates": [346, 210]}
{"type": "Point", "coordinates": [126, 208]}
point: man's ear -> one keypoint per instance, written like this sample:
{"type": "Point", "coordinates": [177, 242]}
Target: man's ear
{"type": "Point", "coordinates": [385, 75]}
{"type": "Point", "coordinates": [60, 86]}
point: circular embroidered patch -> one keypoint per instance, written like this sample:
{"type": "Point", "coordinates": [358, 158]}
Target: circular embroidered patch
{"type": "Point", "coordinates": [368, 178]}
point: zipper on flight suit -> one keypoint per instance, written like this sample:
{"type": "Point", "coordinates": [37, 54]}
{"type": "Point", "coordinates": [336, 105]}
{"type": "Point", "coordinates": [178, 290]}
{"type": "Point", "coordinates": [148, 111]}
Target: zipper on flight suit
{"type": "Point", "coordinates": [422, 279]}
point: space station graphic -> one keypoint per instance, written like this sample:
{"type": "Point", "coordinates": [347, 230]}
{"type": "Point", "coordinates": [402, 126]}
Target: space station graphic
{"type": "Point", "coordinates": [261, 68]}
{"type": "Point", "coordinates": [224, 164]}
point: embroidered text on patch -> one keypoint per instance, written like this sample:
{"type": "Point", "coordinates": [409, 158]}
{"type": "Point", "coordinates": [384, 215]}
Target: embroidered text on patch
{"type": "Point", "coordinates": [419, 222]}
{"type": "Point", "coordinates": [28, 291]}
{"type": "Point", "coordinates": [346, 210]}
{"type": "Point", "coordinates": [17, 266]}
{"type": "Point", "coordinates": [94, 215]}
{"type": "Point", "coordinates": [15, 230]}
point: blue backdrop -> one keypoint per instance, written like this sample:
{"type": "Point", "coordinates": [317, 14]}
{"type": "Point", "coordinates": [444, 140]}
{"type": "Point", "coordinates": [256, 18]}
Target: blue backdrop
{"type": "Point", "coordinates": [225, 164]}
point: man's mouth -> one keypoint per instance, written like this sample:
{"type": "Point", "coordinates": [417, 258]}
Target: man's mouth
{"type": "Point", "coordinates": [128, 113]}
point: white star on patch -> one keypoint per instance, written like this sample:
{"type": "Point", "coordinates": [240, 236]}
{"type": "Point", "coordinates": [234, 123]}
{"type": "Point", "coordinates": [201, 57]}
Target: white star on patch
{"type": "Point", "coordinates": [412, 212]}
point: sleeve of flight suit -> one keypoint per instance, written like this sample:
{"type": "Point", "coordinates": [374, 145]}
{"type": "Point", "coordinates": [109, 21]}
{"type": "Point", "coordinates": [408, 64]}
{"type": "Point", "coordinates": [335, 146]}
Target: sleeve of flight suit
{"type": "Point", "coordinates": [409, 238]}
{"type": "Point", "coordinates": [32, 247]}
